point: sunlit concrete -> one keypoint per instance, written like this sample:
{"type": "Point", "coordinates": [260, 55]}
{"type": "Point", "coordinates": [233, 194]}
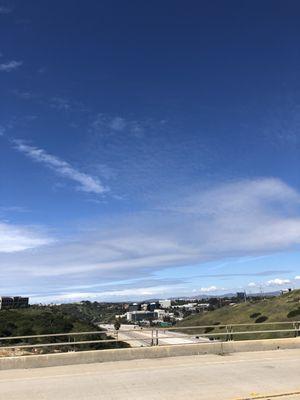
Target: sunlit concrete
{"type": "Point", "coordinates": [139, 337]}
{"type": "Point", "coordinates": [209, 377]}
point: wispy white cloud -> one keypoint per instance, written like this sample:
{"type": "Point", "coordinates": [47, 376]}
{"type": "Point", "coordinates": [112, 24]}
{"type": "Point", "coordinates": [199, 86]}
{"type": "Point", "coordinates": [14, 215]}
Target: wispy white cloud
{"type": "Point", "coordinates": [5, 10]}
{"type": "Point", "coordinates": [86, 182]}
{"type": "Point", "coordinates": [111, 295]}
{"type": "Point", "coordinates": [278, 282]}
{"type": "Point", "coordinates": [24, 94]}
{"type": "Point", "coordinates": [10, 66]}
{"type": "Point", "coordinates": [252, 285]}
{"type": "Point", "coordinates": [18, 209]}
{"type": "Point", "coordinates": [61, 103]}
{"type": "Point", "coordinates": [242, 219]}
{"type": "Point", "coordinates": [103, 124]}
{"type": "Point", "coordinates": [14, 238]}
{"type": "Point", "coordinates": [208, 289]}
{"type": "Point", "coordinates": [297, 278]}
{"type": "Point", "coordinates": [117, 124]}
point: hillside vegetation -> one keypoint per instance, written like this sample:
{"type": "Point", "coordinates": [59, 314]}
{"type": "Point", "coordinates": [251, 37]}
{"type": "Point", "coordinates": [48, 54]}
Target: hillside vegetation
{"type": "Point", "coordinates": [275, 309]}
{"type": "Point", "coordinates": [92, 312]}
{"type": "Point", "coordinates": [39, 320]}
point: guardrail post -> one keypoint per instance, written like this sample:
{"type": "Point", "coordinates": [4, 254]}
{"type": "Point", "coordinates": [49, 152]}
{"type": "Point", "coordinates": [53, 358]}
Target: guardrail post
{"type": "Point", "coordinates": [152, 338]}
{"type": "Point", "coordinates": [296, 327]}
{"type": "Point", "coordinates": [156, 338]}
{"type": "Point", "coordinates": [229, 331]}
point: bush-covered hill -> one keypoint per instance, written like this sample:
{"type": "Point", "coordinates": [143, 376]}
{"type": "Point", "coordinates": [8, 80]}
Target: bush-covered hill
{"type": "Point", "coordinates": [38, 321]}
{"type": "Point", "coordinates": [46, 320]}
{"type": "Point", "coordinates": [275, 309]}
{"type": "Point", "coordinates": [93, 311]}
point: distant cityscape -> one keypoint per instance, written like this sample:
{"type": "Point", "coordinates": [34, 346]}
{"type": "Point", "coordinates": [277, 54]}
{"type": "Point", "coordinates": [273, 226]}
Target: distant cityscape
{"type": "Point", "coordinates": [170, 311]}
{"type": "Point", "coordinates": [163, 312]}
{"type": "Point", "coordinates": [166, 312]}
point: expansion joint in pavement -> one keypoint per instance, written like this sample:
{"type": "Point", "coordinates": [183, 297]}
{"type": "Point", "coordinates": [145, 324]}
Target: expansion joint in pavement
{"type": "Point", "coordinates": [270, 396]}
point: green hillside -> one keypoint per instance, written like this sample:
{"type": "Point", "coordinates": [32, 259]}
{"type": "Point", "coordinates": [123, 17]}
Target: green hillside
{"type": "Point", "coordinates": [275, 309]}
{"type": "Point", "coordinates": [39, 320]}
{"type": "Point", "coordinates": [93, 312]}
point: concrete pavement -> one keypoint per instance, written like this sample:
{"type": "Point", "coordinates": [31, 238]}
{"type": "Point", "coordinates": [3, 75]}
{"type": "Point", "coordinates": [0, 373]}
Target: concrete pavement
{"type": "Point", "coordinates": [139, 337]}
{"type": "Point", "coordinates": [208, 377]}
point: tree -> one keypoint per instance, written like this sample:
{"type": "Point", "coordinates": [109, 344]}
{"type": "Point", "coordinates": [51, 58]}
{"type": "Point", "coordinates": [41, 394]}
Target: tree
{"type": "Point", "coordinates": [117, 324]}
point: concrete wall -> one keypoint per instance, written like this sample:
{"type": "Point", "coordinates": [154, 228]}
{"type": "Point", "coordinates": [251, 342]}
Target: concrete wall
{"type": "Point", "coordinates": [96, 356]}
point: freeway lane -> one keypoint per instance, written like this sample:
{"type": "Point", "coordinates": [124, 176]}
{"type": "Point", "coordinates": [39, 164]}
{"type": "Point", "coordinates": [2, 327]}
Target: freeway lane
{"type": "Point", "coordinates": [209, 377]}
{"type": "Point", "coordinates": [138, 337]}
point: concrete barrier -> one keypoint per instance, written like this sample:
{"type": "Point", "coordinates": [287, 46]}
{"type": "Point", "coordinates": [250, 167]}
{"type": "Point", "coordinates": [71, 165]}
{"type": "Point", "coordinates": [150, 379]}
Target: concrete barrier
{"type": "Point", "coordinates": [99, 356]}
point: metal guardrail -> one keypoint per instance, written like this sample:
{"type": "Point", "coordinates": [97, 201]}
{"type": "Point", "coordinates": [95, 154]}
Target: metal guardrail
{"type": "Point", "coordinates": [227, 334]}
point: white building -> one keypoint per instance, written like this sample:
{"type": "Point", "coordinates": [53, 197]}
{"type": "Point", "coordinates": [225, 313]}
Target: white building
{"type": "Point", "coordinates": [165, 303]}
{"type": "Point", "coordinates": [187, 306]}
{"type": "Point", "coordinates": [160, 314]}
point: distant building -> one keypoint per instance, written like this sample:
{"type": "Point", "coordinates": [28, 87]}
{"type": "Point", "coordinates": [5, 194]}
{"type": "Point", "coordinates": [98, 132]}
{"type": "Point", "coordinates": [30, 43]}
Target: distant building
{"type": "Point", "coordinates": [160, 314]}
{"type": "Point", "coordinates": [187, 306]}
{"type": "Point", "coordinates": [241, 295]}
{"type": "Point", "coordinates": [286, 290]}
{"type": "Point", "coordinates": [133, 307]}
{"type": "Point", "coordinates": [138, 316]}
{"type": "Point", "coordinates": [165, 303]}
{"type": "Point", "coordinates": [144, 307]}
{"type": "Point", "coordinates": [13, 302]}
{"type": "Point", "coordinates": [203, 306]}
{"type": "Point", "coordinates": [152, 306]}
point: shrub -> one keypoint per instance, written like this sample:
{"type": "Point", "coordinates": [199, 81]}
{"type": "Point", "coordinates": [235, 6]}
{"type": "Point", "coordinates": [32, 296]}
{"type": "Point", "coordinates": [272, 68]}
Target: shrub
{"type": "Point", "coordinates": [261, 319]}
{"type": "Point", "coordinates": [255, 315]}
{"type": "Point", "coordinates": [294, 313]}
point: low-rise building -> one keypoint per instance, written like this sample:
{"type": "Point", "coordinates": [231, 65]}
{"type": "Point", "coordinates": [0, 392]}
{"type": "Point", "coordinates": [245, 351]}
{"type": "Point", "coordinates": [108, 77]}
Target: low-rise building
{"type": "Point", "coordinates": [160, 314]}
{"type": "Point", "coordinates": [133, 307]}
{"type": "Point", "coordinates": [241, 296]}
{"type": "Point", "coordinates": [165, 303]}
{"type": "Point", "coordinates": [138, 316]}
{"type": "Point", "coordinates": [187, 306]}
{"type": "Point", "coordinates": [203, 306]}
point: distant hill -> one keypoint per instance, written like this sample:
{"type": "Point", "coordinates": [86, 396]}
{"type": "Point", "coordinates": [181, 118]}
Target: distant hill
{"type": "Point", "coordinates": [39, 320]}
{"type": "Point", "coordinates": [274, 309]}
{"type": "Point", "coordinates": [93, 312]}
{"type": "Point", "coordinates": [209, 296]}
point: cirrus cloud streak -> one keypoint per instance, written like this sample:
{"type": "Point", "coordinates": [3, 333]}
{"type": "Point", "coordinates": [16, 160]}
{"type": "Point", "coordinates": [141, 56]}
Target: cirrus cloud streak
{"type": "Point", "coordinates": [86, 182]}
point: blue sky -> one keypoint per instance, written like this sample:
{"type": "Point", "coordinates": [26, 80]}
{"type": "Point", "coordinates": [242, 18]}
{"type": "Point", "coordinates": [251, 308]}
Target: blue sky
{"type": "Point", "coordinates": [148, 149]}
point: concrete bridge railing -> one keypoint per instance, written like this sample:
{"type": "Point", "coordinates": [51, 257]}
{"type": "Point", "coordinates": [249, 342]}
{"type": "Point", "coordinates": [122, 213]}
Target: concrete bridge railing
{"type": "Point", "coordinates": [221, 333]}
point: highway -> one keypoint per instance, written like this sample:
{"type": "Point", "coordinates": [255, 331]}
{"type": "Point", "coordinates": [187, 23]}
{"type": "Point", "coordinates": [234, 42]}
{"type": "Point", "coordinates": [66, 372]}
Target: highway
{"type": "Point", "coordinates": [138, 337]}
{"type": "Point", "coordinates": [254, 375]}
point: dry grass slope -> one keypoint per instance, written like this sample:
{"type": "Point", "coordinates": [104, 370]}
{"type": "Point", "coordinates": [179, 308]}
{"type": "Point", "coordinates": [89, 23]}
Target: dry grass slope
{"type": "Point", "coordinates": [276, 309]}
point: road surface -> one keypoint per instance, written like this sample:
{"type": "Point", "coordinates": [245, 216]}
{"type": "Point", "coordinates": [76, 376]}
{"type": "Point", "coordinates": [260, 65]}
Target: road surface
{"type": "Point", "coordinates": [137, 337]}
{"type": "Point", "coordinates": [210, 377]}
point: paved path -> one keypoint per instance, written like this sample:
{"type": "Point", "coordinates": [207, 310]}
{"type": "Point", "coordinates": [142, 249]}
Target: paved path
{"type": "Point", "coordinates": [209, 377]}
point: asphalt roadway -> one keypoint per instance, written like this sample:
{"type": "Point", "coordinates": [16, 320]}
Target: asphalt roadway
{"type": "Point", "coordinates": [254, 375]}
{"type": "Point", "coordinates": [138, 337]}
